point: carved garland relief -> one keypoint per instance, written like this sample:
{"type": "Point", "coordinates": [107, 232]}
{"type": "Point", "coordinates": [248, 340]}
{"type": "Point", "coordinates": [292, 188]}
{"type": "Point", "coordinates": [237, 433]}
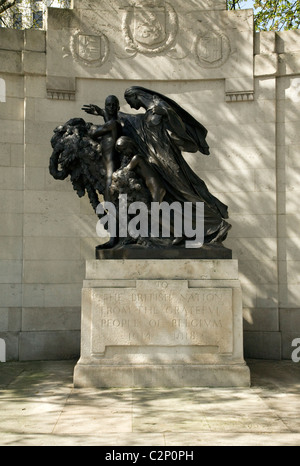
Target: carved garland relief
{"type": "Point", "coordinates": [150, 30]}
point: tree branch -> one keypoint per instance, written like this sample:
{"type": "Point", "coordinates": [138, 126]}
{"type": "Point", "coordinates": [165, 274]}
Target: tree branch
{"type": "Point", "coordinates": [6, 4]}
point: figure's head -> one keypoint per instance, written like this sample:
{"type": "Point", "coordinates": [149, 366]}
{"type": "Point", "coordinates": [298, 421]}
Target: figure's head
{"type": "Point", "coordinates": [112, 105]}
{"type": "Point", "coordinates": [138, 97]}
{"type": "Point", "coordinates": [126, 146]}
{"type": "Point", "coordinates": [132, 97]}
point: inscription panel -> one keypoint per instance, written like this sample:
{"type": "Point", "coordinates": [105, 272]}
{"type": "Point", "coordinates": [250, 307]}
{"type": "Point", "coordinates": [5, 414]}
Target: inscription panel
{"type": "Point", "coordinates": [162, 313]}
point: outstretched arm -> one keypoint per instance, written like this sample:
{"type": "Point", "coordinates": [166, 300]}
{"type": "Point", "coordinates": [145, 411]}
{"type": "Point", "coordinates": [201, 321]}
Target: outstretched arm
{"type": "Point", "coordinates": [94, 110]}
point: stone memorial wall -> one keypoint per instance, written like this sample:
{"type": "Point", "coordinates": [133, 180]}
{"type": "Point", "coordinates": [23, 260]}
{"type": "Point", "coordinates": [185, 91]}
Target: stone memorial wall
{"type": "Point", "coordinates": [243, 86]}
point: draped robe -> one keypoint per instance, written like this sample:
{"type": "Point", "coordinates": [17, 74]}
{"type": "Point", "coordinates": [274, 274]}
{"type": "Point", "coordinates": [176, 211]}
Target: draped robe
{"type": "Point", "coordinates": [161, 139]}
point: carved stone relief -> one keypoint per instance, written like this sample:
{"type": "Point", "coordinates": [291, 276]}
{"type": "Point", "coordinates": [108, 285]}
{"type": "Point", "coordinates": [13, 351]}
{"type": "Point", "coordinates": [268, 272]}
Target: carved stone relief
{"type": "Point", "coordinates": [150, 29]}
{"type": "Point", "coordinates": [212, 49]}
{"type": "Point", "coordinates": [151, 40]}
{"type": "Point", "coordinates": [92, 50]}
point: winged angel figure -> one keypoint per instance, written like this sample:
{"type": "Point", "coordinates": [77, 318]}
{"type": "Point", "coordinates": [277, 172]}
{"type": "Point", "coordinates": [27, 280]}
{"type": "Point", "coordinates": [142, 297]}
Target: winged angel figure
{"type": "Point", "coordinates": [139, 155]}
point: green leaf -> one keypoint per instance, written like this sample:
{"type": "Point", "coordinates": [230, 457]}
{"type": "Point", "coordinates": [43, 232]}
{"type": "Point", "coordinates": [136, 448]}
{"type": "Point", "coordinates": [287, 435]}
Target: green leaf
{"type": "Point", "coordinates": [273, 14]}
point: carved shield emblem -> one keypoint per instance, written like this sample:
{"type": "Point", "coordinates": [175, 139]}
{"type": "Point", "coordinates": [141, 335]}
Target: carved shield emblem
{"type": "Point", "coordinates": [212, 49]}
{"type": "Point", "coordinates": [89, 49]}
{"type": "Point", "coordinates": [150, 29]}
{"type": "Point", "coordinates": [150, 26]}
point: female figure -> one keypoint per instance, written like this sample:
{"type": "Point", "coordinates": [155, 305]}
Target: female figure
{"type": "Point", "coordinates": [161, 134]}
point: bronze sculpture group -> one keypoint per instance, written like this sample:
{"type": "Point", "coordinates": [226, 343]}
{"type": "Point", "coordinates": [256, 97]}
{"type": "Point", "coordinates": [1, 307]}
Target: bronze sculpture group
{"type": "Point", "coordinates": [139, 155]}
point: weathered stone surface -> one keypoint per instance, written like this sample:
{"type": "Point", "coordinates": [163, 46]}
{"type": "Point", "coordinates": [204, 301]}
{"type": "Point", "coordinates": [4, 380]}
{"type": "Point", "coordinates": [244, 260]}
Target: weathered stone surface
{"type": "Point", "coordinates": [162, 313]}
{"type": "Point", "coordinates": [10, 61]}
{"type": "Point", "coordinates": [48, 345]}
{"type": "Point", "coordinates": [11, 39]}
{"type": "Point", "coordinates": [191, 40]}
{"type": "Point", "coordinates": [184, 329]}
{"type": "Point", "coordinates": [263, 345]}
{"type": "Point", "coordinates": [50, 319]}
{"type": "Point", "coordinates": [266, 64]}
{"type": "Point", "coordinates": [158, 269]}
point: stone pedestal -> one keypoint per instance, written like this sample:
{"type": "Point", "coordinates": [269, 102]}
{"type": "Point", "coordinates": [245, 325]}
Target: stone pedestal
{"type": "Point", "coordinates": [161, 323]}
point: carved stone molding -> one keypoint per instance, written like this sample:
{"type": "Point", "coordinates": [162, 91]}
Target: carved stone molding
{"type": "Point", "coordinates": [239, 96]}
{"type": "Point", "coordinates": [61, 88]}
{"type": "Point", "coordinates": [239, 89]}
{"type": "Point", "coordinates": [60, 95]}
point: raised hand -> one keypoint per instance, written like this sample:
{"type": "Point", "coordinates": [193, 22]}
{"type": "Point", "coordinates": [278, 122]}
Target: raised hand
{"type": "Point", "coordinates": [92, 109]}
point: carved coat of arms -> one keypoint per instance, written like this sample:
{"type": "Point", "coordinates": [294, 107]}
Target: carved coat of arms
{"type": "Point", "coordinates": [150, 29]}
{"type": "Point", "coordinates": [92, 50]}
{"type": "Point", "coordinates": [212, 49]}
